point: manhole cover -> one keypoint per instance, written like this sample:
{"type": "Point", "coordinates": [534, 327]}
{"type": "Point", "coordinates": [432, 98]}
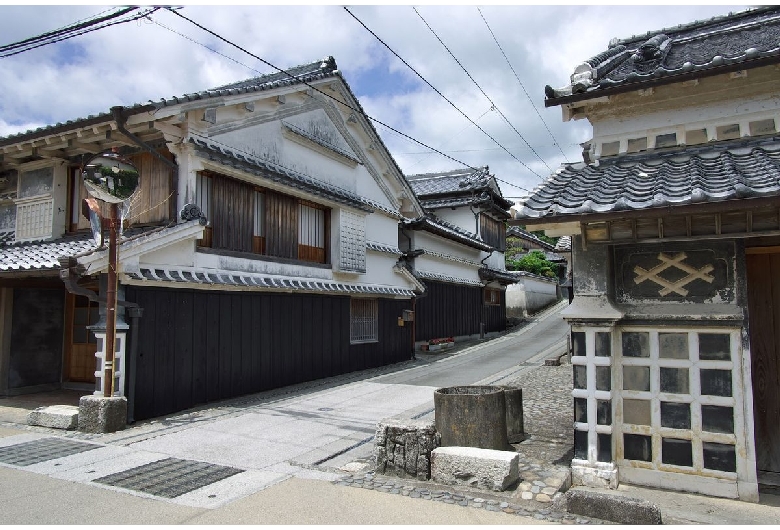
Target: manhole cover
{"type": "Point", "coordinates": [36, 451]}
{"type": "Point", "coordinates": [169, 478]}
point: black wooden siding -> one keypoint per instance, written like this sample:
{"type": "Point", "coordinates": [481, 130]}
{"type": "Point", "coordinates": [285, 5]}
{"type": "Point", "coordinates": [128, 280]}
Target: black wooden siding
{"type": "Point", "coordinates": [37, 324]}
{"type": "Point", "coordinates": [449, 310]}
{"type": "Point", "coordinates": [495, 315]}
{"type": "Point", "coordinates": [197, 347]}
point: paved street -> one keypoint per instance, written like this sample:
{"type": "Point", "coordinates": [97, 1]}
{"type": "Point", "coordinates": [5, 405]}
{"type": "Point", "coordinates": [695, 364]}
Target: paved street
{"type": "Point", "coordinates": [298, 455]}
{"type": "Point", "coordinates": [307, 432]}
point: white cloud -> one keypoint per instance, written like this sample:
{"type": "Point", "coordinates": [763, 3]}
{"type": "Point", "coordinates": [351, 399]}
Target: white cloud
{"type": "Point", "coordinates": [135, 62]}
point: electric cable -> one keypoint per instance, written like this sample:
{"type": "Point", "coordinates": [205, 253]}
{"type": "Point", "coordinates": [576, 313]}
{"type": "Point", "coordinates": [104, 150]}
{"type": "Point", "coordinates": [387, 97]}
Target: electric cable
{"type": "Point", "coordinates": [223, 39]}
{"type": "Point", "coordinates": [442, 95]}
{"type": "Point", "coordinates": [481, 90]}
{"type": "Point", "coordinates": [74, 30]}
{"type": "Point", "coordinates": [555, 141]}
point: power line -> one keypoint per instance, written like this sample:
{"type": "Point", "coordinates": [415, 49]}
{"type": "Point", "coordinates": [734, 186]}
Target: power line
{"type": "Point", "coordinates": [74, 30]}
{"type": "Point", "coordinates": [442, 95]}
{"type": "Point", "coordinates": [555, 141]}
{"type": "Point", "coordinates": [481, 90]}
{"type": "Point", "coordinates": [223, 39]}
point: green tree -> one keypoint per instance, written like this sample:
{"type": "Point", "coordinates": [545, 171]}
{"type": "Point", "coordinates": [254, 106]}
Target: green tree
{"type": "Point", "coordinates": [533, 262]}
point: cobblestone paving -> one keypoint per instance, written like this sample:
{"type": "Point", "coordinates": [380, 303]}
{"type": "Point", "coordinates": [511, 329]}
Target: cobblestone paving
{"type": "Point", "coordinates": [545, 457]}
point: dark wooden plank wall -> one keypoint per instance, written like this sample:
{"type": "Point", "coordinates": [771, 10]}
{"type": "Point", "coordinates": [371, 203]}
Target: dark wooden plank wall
{"type": "Point", "coordinates": [232, 210]}
{"type": "Point", "coordinates": [448, 310]}
{"type": "Point", "coordinates": [197, 346]}
{"type": "Point", "coordinates": [150, 205]}
{"type": "Point", "coordinates": [36, 337]}
{"type": "Point", "coordinates": [763, 279]}
{"type": "Point", "coordinates": [495, 315]}
{"type": "Point", "coordinates": [281, 225]}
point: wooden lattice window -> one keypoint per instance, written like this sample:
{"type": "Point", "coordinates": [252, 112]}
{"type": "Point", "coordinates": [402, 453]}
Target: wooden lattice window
{"type": "Point", "coordinates": [492, 296]}
{"type": "Point", "coordinates": [363, 320]}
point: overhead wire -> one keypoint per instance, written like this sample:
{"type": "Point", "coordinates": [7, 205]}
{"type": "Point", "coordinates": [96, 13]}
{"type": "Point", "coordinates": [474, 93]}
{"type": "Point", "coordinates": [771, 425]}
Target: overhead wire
{"type": "Point", "coordinates": [74, 30]}
{"type": "Point", "coordinates": [440, 94]}
{"type": "Point", "coordinates": [344, 104]}
{"type": "Point", "coordinates": [555, 141]}
{"type": "Point", "coordinates": [481, 90]}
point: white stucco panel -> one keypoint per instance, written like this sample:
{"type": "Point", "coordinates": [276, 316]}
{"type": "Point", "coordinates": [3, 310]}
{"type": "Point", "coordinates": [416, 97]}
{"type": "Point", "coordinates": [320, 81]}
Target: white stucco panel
{"type": "Point", "coordinates": [382, 229]}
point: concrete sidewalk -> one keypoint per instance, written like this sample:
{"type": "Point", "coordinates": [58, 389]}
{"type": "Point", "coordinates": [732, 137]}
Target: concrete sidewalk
{"type": "Point", "coordinates": [303, 455]}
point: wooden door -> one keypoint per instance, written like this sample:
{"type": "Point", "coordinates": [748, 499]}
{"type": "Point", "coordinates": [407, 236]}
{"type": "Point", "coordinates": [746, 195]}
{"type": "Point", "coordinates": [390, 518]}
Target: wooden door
{"type": "Point", "coordinates": [80, 344]}
{"type": "Point", "coordinates": [763, 278]}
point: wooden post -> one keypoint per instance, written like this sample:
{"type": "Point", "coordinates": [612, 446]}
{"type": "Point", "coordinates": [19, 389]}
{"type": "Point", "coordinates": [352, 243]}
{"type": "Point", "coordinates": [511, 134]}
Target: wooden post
{"type": "Point", "coordinates": [108, 376]}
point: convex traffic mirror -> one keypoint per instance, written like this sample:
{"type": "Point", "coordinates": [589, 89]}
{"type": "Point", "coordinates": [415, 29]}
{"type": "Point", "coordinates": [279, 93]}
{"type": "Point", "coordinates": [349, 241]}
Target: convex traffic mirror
{"type": "Point", "coordinates": [111, 178]}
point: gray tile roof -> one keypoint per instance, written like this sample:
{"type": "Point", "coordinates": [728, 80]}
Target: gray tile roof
{"type": "Point", "coordinates": [456, 188]}
{"type": "Point", "coordinates": [516, 231]}
{"type": "Point", "coordinates": [723, 43]}
{"type": "Point", "coordinates": [438, 277]}
{"type": "Point", "coordinates": [435, 225]}
{"type": "Point", "coordinates": [260, 281]}
{"type": "Point", "coordinates": [502, 277]}
{"type": "Point", "coordinates": [563, 244]}
{"type": "Point", "coordinates": [44, 255]}
{"type": "Point", "coordinates": [733, 170]}
{"type": "Point", "coordinates": [304, 73]}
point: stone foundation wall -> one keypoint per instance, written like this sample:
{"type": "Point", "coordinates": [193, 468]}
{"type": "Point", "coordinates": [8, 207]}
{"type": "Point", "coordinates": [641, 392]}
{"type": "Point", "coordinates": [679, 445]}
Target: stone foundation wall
{"type": "Point", "coordinates": [403, 448]}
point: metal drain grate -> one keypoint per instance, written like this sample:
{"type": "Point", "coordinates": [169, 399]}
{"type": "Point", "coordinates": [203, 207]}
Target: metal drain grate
{"type": "Point", "coordinates": [36, 451]}
{"type": "Point", "coordinates": [169, 478]}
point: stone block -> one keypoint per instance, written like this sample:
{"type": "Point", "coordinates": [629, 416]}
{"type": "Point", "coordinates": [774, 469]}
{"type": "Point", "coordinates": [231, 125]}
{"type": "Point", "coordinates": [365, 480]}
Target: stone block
{"type": "Point", "coordinates": [102, 414]}
{"type": "Point", "coordinates": [55, 417]}
{"type": "Point", "coordinates": [611, 507]}
{"type": "Point", "coordinates": [402, 447]}
{"type": "Point", "coordinates": [471, 466]}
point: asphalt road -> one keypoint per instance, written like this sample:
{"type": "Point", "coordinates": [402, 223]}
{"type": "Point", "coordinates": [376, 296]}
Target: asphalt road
{"type": "Point", "coordinates": [490, 358]}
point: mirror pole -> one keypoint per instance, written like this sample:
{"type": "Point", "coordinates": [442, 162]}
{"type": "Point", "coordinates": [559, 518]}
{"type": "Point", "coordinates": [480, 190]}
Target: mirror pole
{"type": "Point", "coordinates": [108, 376]}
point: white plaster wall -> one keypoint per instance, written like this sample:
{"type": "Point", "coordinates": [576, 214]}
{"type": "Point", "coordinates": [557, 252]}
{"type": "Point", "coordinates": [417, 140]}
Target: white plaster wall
{"type": "Point", "coordinates": [494, 261]}
{"type": "Point", "coordinates": [436, 265]}
{"type": "Point", "coordinates": [382, 229]}
{"type": "Point", "coordinates": [380, 266]}
{"type": "Point", "coordinates": [462, 217]}
{"type": "Point", "coordinates": [529, 295]}
{"type": "Point", "coordinates": [685, 118]}
{"type": "Point", "coordinates": [425, 240]}
{"type": "Point", "coordinates": [181, 254]}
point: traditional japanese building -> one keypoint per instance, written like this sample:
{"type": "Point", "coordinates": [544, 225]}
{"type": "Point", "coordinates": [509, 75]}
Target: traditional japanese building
{"type": "Point", "coordinates": [457, 251]}
{"type": "Point", "coordinates": [261, 249]}
{"type": "Point", "coordinates": [674, 221]}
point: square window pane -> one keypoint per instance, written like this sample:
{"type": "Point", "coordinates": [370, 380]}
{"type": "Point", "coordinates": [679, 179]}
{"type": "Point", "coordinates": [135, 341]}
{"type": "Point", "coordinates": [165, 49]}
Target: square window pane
{"type": "Point", "coordinates": [717, 419]}
{"type": "Point", "coordinates": [714, 347]}
{"type": "Point", "coordinates": [636, 411]}
{"type": "Point", "coordinates": [603, 412]}
{"type": "Point", "coordinates": [578, 343]}
{"type": "Point", "coordinates": [603, 344]}
{"type": "Point", "coordinates": [636, 378]}
{"type": "Point", "coordinates": [721, 457]}
{"type": "Point", "coordinates": [673, 345]}
{"type": "Point", "coordinates": [674, 380]}
{"type": "Point", "coordinates": [581, 410]}
{"type": "Point", "coordinates": [604, 378]}
{"type": "Point", "coordinates": [676, 452]}
{"type": "Point", "coordinates": [675, 415]}
{"type": "Point", "coordinates": [604, 453]}
{"type": "Point", "coordinates": [636, 344]}
{"type": "Point", "coordinates": [638, 447]}
{"type": "Point", "coordinates": [580, 376]}
{"type": "Point", "coordinates": [581, 445]}
{"type": "Point", "coordinates": [716, 383]}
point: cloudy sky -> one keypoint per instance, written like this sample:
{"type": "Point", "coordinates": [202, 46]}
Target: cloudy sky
{"type": "Point", "coordinates": [165, 56]}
